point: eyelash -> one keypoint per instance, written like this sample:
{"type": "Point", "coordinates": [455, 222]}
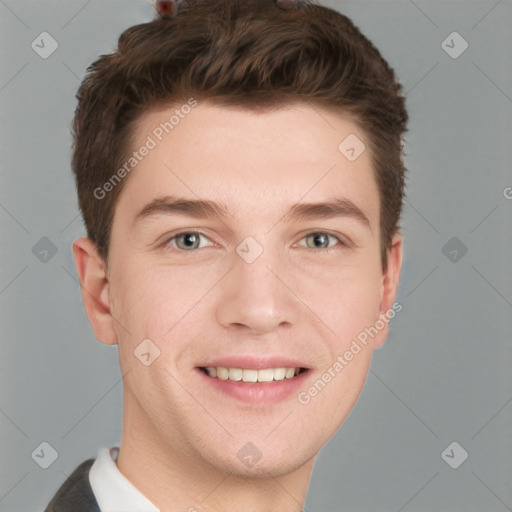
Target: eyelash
{"type": "Point", "coordinates": [188, 232]}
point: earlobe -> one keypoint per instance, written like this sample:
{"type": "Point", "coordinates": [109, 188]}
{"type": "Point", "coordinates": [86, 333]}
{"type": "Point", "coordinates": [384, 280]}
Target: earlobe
{"type": "Point", "coordinates": [389, 287]}
{"type": "Point", "coordinates": [94, 285]}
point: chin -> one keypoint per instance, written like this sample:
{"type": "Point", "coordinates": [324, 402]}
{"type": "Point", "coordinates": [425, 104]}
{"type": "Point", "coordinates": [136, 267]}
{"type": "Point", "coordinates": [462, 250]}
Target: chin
{"type": "Point", "coordinates": [256, 457]}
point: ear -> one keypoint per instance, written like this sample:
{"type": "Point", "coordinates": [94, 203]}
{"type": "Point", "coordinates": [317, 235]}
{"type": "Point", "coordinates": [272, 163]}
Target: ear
{"type": "Point", "coordinates": [389, 287]}
{"type": "Point", "coordinates": [92, 273]}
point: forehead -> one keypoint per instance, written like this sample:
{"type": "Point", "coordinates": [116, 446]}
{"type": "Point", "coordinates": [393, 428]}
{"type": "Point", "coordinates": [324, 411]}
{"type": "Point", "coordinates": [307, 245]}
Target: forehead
{"type": "Point", "coordinates": [309, 129]}
{"type": "Point", "coordinates": [249, 159]}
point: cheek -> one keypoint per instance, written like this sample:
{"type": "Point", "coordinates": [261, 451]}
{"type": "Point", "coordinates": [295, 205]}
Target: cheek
{"type": "Point", "coordinates": [154, 301]}
{"type": "Point", "coordinates": [346, 299]}
{"type": "Point", "coordinates": [357, 307]}
{"type": "Point", "coordinates": [328, 400]}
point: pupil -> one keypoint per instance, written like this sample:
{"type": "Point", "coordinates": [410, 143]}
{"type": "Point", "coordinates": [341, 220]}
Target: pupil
{"type": "Point", "coordinates": [190, 237]}
{"type": "Point", "coordinates": [320, 238]}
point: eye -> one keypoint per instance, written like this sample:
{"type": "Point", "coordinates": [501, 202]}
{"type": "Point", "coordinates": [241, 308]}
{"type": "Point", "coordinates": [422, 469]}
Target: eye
{"type": "Point", "coordinates": [190, 240]}
{"type": "Point", "coordinates": [320, 240]}
{"type": "Point", "coordinates": [187, 240]}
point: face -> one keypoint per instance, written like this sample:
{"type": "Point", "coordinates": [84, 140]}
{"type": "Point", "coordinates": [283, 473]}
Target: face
{"type": "Point", "coordinates": [272, 279]}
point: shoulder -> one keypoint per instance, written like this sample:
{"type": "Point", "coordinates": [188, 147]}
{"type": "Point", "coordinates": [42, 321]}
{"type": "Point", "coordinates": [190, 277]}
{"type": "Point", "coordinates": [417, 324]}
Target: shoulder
{"type": "Point", "coordinates": [75, 493]}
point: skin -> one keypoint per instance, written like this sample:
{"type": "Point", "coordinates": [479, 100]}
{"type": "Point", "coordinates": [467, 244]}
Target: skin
{"type": "Point", "coordinates": [180, 437]}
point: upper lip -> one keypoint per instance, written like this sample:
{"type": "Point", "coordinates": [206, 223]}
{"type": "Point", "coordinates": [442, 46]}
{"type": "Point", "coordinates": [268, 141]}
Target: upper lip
{"type": "Point", "coordinates": [256, 362]}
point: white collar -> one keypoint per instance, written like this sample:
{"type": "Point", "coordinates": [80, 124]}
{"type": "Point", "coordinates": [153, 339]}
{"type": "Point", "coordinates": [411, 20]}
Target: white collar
{"type": "Point", "coordinates": [112, 490]}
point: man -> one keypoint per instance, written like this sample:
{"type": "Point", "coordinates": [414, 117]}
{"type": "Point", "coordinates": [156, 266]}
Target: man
{"type": "Point", "coordinates": [239, 169]}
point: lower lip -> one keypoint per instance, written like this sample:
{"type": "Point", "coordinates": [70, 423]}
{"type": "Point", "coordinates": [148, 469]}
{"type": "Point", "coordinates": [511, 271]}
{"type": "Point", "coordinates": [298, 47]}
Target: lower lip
{"type": "Point", "coordinates": [257, 392]}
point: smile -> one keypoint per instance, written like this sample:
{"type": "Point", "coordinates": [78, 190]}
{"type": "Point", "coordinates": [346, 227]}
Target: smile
{"type": "Point", "coordinates": [251, 374]}
{"type": "Point", "coordinates": [259, 380]}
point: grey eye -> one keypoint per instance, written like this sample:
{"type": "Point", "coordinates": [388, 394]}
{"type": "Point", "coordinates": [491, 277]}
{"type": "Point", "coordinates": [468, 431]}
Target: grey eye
{"type": "Point", "coordinates": [190, 240]}
{"type": "Point", "coordinates": [320, 240]}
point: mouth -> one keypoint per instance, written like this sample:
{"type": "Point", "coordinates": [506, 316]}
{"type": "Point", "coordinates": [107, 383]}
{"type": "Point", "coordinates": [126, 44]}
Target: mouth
{"type": "Point", "coordinates": [252, 375]}
{"type": "Point", "coordinates": [254, 381]}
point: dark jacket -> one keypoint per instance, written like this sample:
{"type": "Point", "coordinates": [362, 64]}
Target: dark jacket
{"type": "Point", "coordinates": [75, 494]}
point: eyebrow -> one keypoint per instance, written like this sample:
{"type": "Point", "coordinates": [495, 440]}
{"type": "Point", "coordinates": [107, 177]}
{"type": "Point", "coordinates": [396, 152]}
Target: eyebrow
{"type": "Point", "coordinates": [202, 208]}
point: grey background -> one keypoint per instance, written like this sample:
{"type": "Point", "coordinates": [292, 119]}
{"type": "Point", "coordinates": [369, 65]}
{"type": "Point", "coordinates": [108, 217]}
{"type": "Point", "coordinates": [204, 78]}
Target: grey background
{"type": "Point", "coordinates": [443, 374]}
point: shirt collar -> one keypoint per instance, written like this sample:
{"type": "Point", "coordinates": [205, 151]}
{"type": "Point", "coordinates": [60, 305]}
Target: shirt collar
{"type": "Point", "coordinates": [112, 490]}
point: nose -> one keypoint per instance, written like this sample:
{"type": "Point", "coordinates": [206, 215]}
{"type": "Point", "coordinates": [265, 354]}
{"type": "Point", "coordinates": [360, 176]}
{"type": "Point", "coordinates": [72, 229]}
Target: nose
{"type": "Point", "coordinates": [256, 296]}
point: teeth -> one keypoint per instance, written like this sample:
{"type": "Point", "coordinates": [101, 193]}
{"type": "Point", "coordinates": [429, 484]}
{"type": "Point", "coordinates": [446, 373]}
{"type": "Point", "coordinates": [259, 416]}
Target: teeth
{"type": "Point", "coordinates": [279, 373]}
{"type": "Point", "coordinates": [251, 375]}
{"type": "Point", "coordinates": [234, 374]}
{"type": "Point", "coordinates": [222, 373]}
{"type": "Point", "coordinates": [266, 375]}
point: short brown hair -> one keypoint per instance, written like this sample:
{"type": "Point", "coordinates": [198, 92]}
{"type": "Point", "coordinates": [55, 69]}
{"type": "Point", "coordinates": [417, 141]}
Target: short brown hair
{"type": "Point", "coordinates": [243, 53]}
